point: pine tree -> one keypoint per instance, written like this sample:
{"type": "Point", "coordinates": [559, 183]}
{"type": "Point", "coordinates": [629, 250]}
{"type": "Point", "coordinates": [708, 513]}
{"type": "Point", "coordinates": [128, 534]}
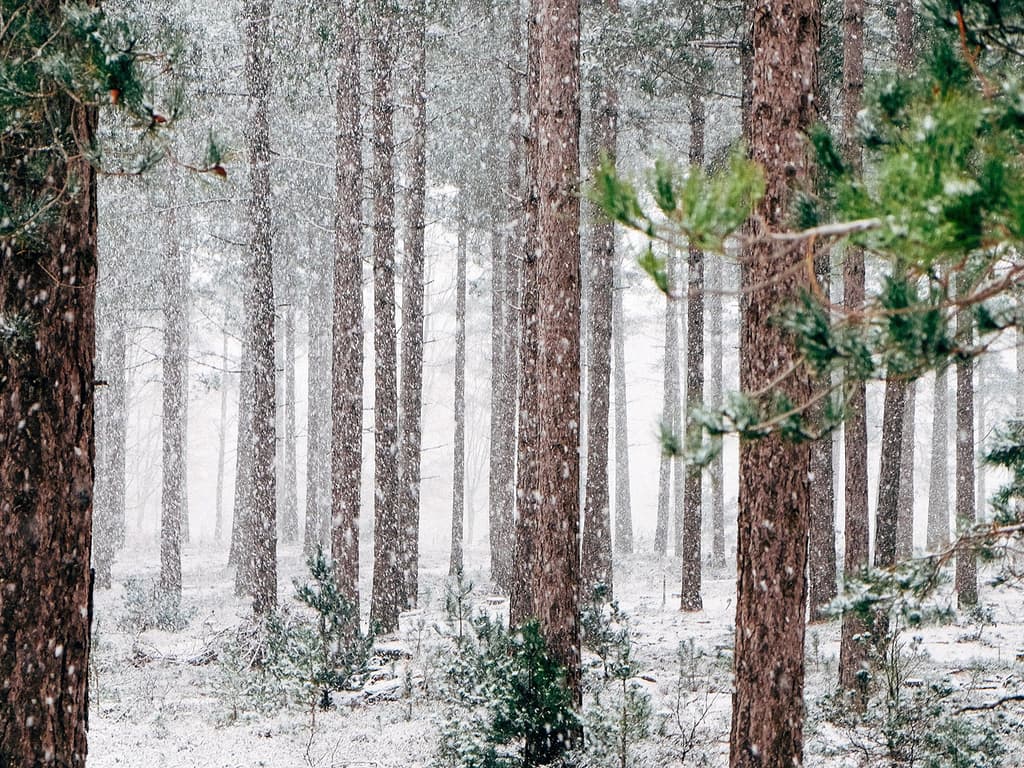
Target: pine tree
{"type": "Point", "coordinates": [455, 566]}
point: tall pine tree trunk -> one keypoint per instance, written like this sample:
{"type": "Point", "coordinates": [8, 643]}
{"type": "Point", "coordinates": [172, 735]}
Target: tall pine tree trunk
{"type": "Point", "coordinates": [690, 599]}
{"type": "Point", "coordinates": [242, 504]}
{"type": "Point", "coordinates": [347, 320]}
{"type": "Point", "coordinates": [318, 404]}
{"type": "Point", "coordinates": [289, 497]}
{"type": "Point", "coordinates": [716, 472]}
{"type": "Point", "coordinates": [411, 402]}
{"type": "Point", "coordinates": [388, 580]}
{"type": "Point", "coordinates": [966, 559]}
{"type": "Point", "coordinates": [767, 702]}
{"type": "Point", "coordinates": [905, 505]}
{"type": "Point", "coordinates": [597, 534]}
{"type": "Point", "coordinates": [670, 409]}
{"type": "Point", "coordinates": [623, 512]}
{"type": "Point", "coordinates": [459, 465]}
{"type": "Point", "coordinates": [47, 382]}
{"type": "Point", "coordinates": [262, 552]}
{"type": "Point", "coordinates": [222, 434]}
{"type": "Point", "coordinates": [852, 651]}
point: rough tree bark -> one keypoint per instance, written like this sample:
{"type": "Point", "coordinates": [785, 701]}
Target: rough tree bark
{"type": "Point", "coordinates": [388, 581]}
{"type": "Point", "coordinates": [690, 599]}
{"type": "Point", "coordinates": [767, 702]}
{"type": "Point", "coordinates": [318, 409]}
{"type": "Point", "coordinates": [679, 365]}
{"type": "Point", "coordinates": [938, 480]}
{"type": "Point", "coordinates": [290, 492]}
{"type": "Point", "coordinates": [46, 432]}
{"type": "Point", "coordinates": [623, 512]}
{"type": "Point", "coordinates": [716, 472]}
{"type": "Point", "coordinates": [222, 433]}
{"type": "Point", "coordinates": [966, 560]}
{"type": "Point", "coordinates": [347, 337]}
{"type": "Point", "coordinates": [242, 503]}
{"type": "Point", "coordinates": [905, 505]}
{"type": "Point", "coordinates": [175, 275]}
{"type": "Point", "coordinates": [411, 402]}
{"type": "Point", "coordinates": [597, 534]}
{"type": "Point", "coordinates": [262, 552]}
{"type": "Point", "coordinates": [853, 652]}
{"type": "Point", "coordinates": [459, 470]}
{"type": "Point", "coordinates": [670, 411]}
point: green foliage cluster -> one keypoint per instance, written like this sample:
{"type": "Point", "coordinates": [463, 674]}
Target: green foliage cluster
{"type": "Point", "coordinates": [507, 704]}
{"type": "Point", "coordinates": [298, 657]}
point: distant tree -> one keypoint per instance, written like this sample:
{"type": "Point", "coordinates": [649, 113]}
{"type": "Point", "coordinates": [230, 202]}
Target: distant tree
{"type": "Point", "coordinates": [222, 432]}
{"type": "Point", "coordinates": [388, 580]}
{"type": "Point", "coordinates": [670, 414]}
{"type": "Point", "coordinates": [623, 511]}
{"type": "Point", "coordinates": [347, 336]}
{"type": "Point", "coordinates": [456, 564]}
{"type": "Point", "coordinates": [318, 400]}
{"type": "Point", "coordinates": [289, 503]}
{"type": "Point", "coordinates": [905, 504]}
{"type": "Point", "coordinates": [713, 397]}
{"type": "Point", "coordinates": [938, 481]}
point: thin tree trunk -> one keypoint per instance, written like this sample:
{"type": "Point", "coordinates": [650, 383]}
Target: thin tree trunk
{"type": "Point", "coordinates": [623, 512]}
{"type": "Point", "coordinates": [242, 505]}
{"type": "Point", "coordinates": [500, 314]}
{"type": "Point", "coordinates": [852, 651]}
{"type": "Point", "coordinates": [889, 471]}
{"type": "Point", "coordinates": [174, 396]}
{"type": "Point", "coordinates": [597, 535]}
{"type": "Point", "coordinates": [290, 501]}
{"type": "Point", "coordinates": [980, 403]}
{"type": "Point", "coordinates": [459, 471]}
{"type": "Point", "coordinates": [716, 472]}
{"type": "Point", "coordinates": [938, 481]}
{"type": "Point", "coordinates": [412, 318]}
{"type": "Point", "coordinates": [966, 560]}
{"type": "Point", "coordinates": [222, 434]}
{"type": "Point", "coordinates": [388, 581]}
{"type": "Point", "coordinates": [318, 408]}
{"type": "Point", "coordinates": [670, 420]}
{"type": "Point", "coordinates": [347, 337]}
{"type": "Point", "coordinates": [47, 382]}
{"type": "Point", "coordinates": [262, 551]}
{"type": "Point", "coordinates": [774, 494]}
{"type": "Point", "coordinates": [690, 599]}
{"type": "Point", "coordinates": [905, 506]}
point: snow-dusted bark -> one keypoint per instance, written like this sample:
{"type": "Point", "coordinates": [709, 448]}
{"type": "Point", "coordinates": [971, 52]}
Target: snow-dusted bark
{"type": "Point", "coordinates": [938, 478]}
{"type": "Point", "coordinates": [905, 505]}
{"type": "Point", "coordinates": [623, 510]}
{"type": "Point", "coordinates": [668, 468]}
{"type": "Point", "coordinates": [455, 565]}
{"type": "Point", "coordinates": [713, 397]}
{"type": "Point", "coordinates": [966, 559]}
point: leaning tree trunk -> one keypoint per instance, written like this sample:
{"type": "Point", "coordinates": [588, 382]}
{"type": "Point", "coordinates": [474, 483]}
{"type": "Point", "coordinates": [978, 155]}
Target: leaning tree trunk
{"type": "Point", "coordinates": [852, 651]}
{"type": "Point", "coordinates": [774, 494]}
{"type": "Point", "coordinates": [262, 552]}
{"type": "Point", "coordinates": [554, 577]}
{"type": "Point", "coordinates": [938, 481]}
{"type": "Point", "coordinates": [347, 337]}
{"type": "Point", "coordinates": [175, 402]}
{"type": "Point", "coordinates": [690, 599]}
{"type": "Point", "coordinates": [459, 465]}
{"type": "Point", "coordinates": [388, 581]}
{"type": "Point", "coordinates": [966, 559]}
{"type": "Point", "coordinates": [597, 534]}
{"type": "Point", "coordinates": [411, 402]}
{"type": "Point", "coordinates": [47, 352]}
{"type": "Point", "coordinates": [623, 512]}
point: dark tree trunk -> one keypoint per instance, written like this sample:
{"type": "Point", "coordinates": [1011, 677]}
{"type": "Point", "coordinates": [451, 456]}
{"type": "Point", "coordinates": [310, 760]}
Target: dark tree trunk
{"type": "Point", "coordinates": [242, 505]}
{"type": "Point", "coordinates": [905, 505]}
{"type": "Point", "coordinates": [623, 513]}
{"type": "Point", "coordinates": [938, 481]}
{"type": "Point", "coordinates": [459, 474]}
{"type": "Point", "coordinates": [46, 428]}
{"type": "Point", "coordinates": [678, 364]}
{"type": "Point", "coordinates": [597, 534]}
{"type": "Point", "coordinates": [966, 560]}
{"type": "Point", "coordinates": [554, 575]}
{"type": "Point", "coordinates": [889, 471]}
{"type": "Point", "coordinates": [852, 652]}
{"type": "Point", "coordinates": [690, 599]}
{"type": "Point", "coordinates": [774, 500]}
{"type": "Point", "coordinates": [412, 317]}
{"type": "Point", "coordinates": [716, 472]}
{"type": "Point", "coordinates": [347, 337]}
{"type": "Point", "coordinates": [388, 580]}
{"type": "Point", "coordinates": [175, 403]}
{"type": "Point", "coordinates": [262, 551]}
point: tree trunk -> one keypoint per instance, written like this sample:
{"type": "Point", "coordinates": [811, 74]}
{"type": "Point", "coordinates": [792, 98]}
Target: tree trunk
{"type": "Point", "coordinates": [905, 505]}
{"type": "Point", "coordinates": [966, 559]}
{"type": "Point", "coordinates": [889, 471]}
{"type": "Point", "coordinates": [670, 414]}
{"type": "Point", "coordinates": [263, 547]}
{"type": "Point", "coordinates": [981, 429]}
{"type": "Point", "coordinates": [412, 318]}
{"type": "Point", "coordinates": [46, 424]}
{"type": "Point", "coordinates": [347, 337]}
{"type": "Point", "coordinates": [175, 274]}
{"type": "Point", "coordinates": [242, 505]}
{"type": "Point", "coordinates": [318, 409]}
{"type": "Point", "coordinates": [111, 435]}
{"type": "Point", "coordinates": [690, 599]}
{"type": "Point", "coordinates": [938, 481]}
{"type": "Point", "coordinates": [388, 580]}
{"type": "Point", "coordinates": [716, 472]}
{"type": "Point", "coordinates": [597, 535]}
{"type": "Point", "coordinates": [222, 433]}
{"type": "Point", "coordinates": [290, 501]}
{"type": "Point", "coordinates": [459, 473]}
{"type": "Point", "coordinates": [623, 513]}
{"type": "Point", "coordinates": [500, 314]}
{"type": "Point", "coordinates": [767, 704]}
{"type": "Point", "coordinates": [852, 652]}
{"type": "Point", "coordinates": [554, 576]}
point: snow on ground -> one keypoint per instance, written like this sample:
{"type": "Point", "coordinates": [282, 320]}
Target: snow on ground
{"type": "Point", "coordinates": [158, 700]}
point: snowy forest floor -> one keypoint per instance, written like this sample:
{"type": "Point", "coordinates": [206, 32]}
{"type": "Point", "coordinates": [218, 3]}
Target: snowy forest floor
{"type": "Point", "coordinates": [159, 698]}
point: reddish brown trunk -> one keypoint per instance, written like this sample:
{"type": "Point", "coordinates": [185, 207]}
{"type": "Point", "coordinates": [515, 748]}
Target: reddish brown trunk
{"type": "Point", "coordinates": [768, 708]}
